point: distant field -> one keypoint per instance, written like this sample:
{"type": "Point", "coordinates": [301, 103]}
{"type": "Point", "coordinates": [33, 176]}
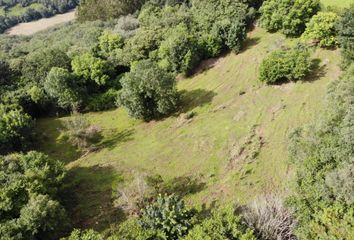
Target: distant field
{"type": "Point", "coordinates": [235, 145]}
{"type": "Point", "coordinates": [338, 3]}
{"type": "Point", "coordinates": [39, 25]}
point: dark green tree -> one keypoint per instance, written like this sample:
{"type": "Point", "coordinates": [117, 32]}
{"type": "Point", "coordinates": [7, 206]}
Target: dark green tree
{"type": "Point", "coordinates": [148, 91]}
{"type": "Point", "coordinates": [345, 28]}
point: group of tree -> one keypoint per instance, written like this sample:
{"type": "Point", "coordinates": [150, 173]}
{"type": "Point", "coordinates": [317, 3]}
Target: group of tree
{"type": "Point", "coordinates": [47, 8]}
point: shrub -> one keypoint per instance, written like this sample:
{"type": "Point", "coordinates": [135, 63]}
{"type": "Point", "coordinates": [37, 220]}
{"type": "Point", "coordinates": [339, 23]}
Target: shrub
{"type": "Point", "coordinates": [169, 215]}
{"type": "Point", "coordinates": [126, 26]}
{"type": "Point", "coordinates": [289, 16]}
{"type": "Point", "coordinates": [80, 133]}
{"type": "Point", "coordinates": [271, 219]}
{"type": "Point", "coordinates": [282, 65]}
{"type": "Point", "coordinates": [222, 224]}
{"type": "Point", "coordinates": [321, 29]}
{"type": "Point", "coordinates": [345, 28]}
{"type": "Point", "coordinates": [148, 91]}
{"type": "Point", "coordinates": [5, 73]}
{"type": "Point", "coordinates": [15, 128]}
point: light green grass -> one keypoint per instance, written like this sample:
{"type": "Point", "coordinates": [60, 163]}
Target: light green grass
{"type": "Point", "coordinates": [2, 11]}
{"type": "Point", "coordinates": [203, 146]}
{"type": "Point", "coordinates": [337, 3]}
{"type": "Point", "coordinates": [18, 10]}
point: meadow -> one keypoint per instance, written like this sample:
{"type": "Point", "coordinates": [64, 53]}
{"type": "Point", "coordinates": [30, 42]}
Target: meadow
{"type": "Point", "coordinates": [230, 136]}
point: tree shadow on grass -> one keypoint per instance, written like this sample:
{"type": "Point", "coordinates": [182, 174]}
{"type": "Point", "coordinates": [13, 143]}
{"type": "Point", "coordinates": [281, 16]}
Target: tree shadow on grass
{"type": "Point", "coordinates": [88, 197]}
{"type": "Point", "coordinates": [48, 141]}
{"type": "Point", "coordinates": [249, 43]}
{"type": "Point", "coordinates": [113, 139]}
{"type": "Point", "coordinates": [195, 98]}
{"type": "Point", "coordinates": [317, 70]}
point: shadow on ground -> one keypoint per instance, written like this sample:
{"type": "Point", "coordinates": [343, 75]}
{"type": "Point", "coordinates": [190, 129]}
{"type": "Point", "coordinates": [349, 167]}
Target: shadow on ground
{"type": "Point", "coordinates": [88, 197]}
{"type": "Point", "coordinates": [48, 134]}
{"type": "Point", "coordinates": [114, 138]}
{"type": "Point", "coordinates": [195, 98]}
{"type": "Point", "coordinates": [317, 70]}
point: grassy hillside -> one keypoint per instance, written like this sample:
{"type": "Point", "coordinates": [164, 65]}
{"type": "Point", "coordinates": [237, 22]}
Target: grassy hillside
{"type": "Point", "coordinates": [235, 145]}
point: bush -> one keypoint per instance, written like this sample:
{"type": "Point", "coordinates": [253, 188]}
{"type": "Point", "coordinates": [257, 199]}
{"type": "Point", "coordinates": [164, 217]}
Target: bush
{"type": "Point", "coordinates": [222, 224]}
{"type": "Point", "coordinates": [270, 218]}
{"type": "Point", "coordinates": [29, 184]}
{"type": "Point", "coordinates": [288, 16]}
{"type": "Point", "coordinates": [345, 28]}
{"type": "Point", "coordinates": [148, 91]}
{"type": "Point", "coordinates": [321, 29]}
{"type": "Point", "coordinates": [15, 128]}
{"type": "Point", "coordinates": [169, 215]}
{"type": "Point", "coordinates": [80, 133]}
{"type": "Point", "coordinates": [283, 65]}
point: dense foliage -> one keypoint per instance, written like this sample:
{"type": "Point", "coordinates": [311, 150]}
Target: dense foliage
{"type": "Point", "coordinates": [106, 9]}
{"type": "Point", "coordinates": [222, 224]}
{"type": "Point", "coordinates": [322, 29]}
{"type": "Point", "coordinates": [17, 11]}
{"type": "Point", "coordinates": [15, 129]}
{"type": "Point", "coordinates": [280, 65]}
{"type": "Point", "coordinates": [345, 28]}
{"type": "Point", "coordinates": [29, 186]}
{"type": "Point", "coordinates": [288, 16]}
{"type": "Point", "coordinates": [324, 191]}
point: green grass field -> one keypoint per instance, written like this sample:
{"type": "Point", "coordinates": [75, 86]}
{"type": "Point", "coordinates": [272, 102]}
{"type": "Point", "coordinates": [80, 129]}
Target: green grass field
{"type": "Point", "coordinates": [235, 146]}
{"type": "Point", "coordinates": [338, 3]}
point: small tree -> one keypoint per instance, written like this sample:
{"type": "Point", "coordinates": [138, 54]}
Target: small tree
{"type": "Point", "coordinates": [321, 29]}
{"type": "Point", "coordinates": [285, 65]}
{"type": "Point", "coordinates": [108, 42]}
{"type": "Point", "coordinates": [169, 215]}
{"type": "Point", "coordinates": [148, 91]}
{"type": "Point", "coordinates": [88, 234]}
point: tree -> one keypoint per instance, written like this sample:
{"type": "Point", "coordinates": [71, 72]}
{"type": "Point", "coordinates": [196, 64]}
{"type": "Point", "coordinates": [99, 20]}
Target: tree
{"type": "Point", "coordinates": [148, 91]}
{"type": "Point", "coordinates": [15, 128]}
{"type": "Point", "coordinates": [91, 68]}
{"type": "Point", "coordinates": [29, 184]}
{"type": "Point", "coordinates": [179, 52]}
{"type": "Point", "coordinates": [321, 29]}
{"type": "Point", "coordinates": [60, 85]}
{"type": "Point", "coordinates": [281, 65]}
{"type": "Point", "coordinates": [108, 42]}
{"type": "Point", "coordinates": [169, 215]}
{"type": "Point", "coordinates": [289, 16]}
{"type": "Point", "coordinates": [345, 28]}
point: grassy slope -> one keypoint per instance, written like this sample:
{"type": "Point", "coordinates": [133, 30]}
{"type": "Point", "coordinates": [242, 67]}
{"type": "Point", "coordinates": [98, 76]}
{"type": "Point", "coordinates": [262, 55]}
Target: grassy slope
{"type": "Point", "coordinates": [202, 147]}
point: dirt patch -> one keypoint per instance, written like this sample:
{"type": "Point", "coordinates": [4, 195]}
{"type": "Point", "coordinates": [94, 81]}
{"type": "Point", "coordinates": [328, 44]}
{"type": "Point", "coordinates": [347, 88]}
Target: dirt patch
{"type": "Point", "coordinates": [42, 24]}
